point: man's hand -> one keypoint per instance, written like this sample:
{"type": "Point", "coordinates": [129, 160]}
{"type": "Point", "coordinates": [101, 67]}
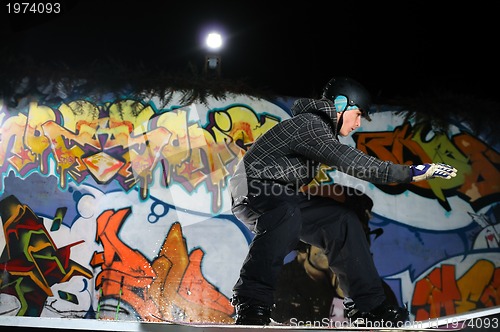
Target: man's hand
{"type": "Point", "coordinates": [431, 171]}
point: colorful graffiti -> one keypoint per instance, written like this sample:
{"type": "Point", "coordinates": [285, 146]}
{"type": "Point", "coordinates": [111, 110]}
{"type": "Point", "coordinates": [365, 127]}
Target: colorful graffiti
{"type": "Point", "coordinates": [440, 293]}
{"type": "Point", "coordinates": [478, 180]}
{"type": "Point", "coordinates": [31, 262]}
{"type": "Point", "coordinates": [171, 287]}
{"type": "Point", "coordinates": [83, 161]}
{"type": "Point", "coordinates": [126, 141]}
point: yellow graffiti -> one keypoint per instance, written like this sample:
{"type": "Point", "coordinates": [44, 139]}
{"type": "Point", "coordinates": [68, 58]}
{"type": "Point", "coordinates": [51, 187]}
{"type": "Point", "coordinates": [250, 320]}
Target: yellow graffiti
{"type": "Point", "coordinates": [145, 154]}
{"type": "Point", "coordinates": [180, 284]}
{"type": "Point", "coordinates": [441, 150]}
{"type": "Point", "coordinates": [125, 141]}
{"type": "Point", "coordinates": [34, 139]}
{"type": "Point", "coordinates": [440, 294]}
{"type": "Point", "coordinates": [179, 151]}
{"type": "Point", "coordinates": [67, 156]}
{"type": "Point", "coordinates": [131, 113]}
{"type": "Point", "coordinates": [243, 125]}
{"type": "Point", "coordinates": [473, 284]}
{"type": "Point", "coordinates": [20, 157]}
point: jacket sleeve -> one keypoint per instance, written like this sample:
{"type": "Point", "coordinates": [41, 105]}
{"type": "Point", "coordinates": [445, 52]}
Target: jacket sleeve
{"type": "Point", "coordinates": [314, 140]}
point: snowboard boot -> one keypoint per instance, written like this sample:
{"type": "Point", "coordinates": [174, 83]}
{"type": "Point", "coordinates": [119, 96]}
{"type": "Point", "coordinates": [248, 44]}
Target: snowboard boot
{"type": "Point", "coordinates": [385, 315]}
{"type": "Point", "coordinates": [251, 312]}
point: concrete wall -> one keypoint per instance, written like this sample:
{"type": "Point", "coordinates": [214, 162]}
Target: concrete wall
{"type": "Point", "coordinates": [114, 208]}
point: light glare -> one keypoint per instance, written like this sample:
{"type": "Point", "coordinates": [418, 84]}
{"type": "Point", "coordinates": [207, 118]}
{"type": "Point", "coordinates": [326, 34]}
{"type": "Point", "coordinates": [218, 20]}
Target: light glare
{"type": "Point", "coordinates": [214, 40]}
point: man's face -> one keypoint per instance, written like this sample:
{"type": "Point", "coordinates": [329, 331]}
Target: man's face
{"type": "Point", "coordinates": [351, 121]}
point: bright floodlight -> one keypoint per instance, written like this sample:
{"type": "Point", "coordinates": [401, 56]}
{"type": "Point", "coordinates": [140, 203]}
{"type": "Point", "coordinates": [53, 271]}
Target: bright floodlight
{"type": "Point", "coordinates": [214, 40]}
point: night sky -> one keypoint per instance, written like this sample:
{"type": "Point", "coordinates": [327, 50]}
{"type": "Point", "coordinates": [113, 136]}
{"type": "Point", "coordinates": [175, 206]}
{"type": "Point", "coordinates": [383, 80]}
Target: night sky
{"type": "Point", "coordinates": [290, 48]}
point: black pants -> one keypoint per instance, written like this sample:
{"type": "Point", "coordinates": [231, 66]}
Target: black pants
{"type": "Point", "coordinates": [280, 217]}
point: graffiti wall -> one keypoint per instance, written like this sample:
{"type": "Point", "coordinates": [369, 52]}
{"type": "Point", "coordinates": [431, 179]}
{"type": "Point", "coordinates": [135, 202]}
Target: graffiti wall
{"type": "Point", "coordinates": [118, 209]}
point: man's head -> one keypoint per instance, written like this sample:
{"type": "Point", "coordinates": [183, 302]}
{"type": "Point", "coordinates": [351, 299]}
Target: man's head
{"type": "Point", "coordinates": [351, 101]}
